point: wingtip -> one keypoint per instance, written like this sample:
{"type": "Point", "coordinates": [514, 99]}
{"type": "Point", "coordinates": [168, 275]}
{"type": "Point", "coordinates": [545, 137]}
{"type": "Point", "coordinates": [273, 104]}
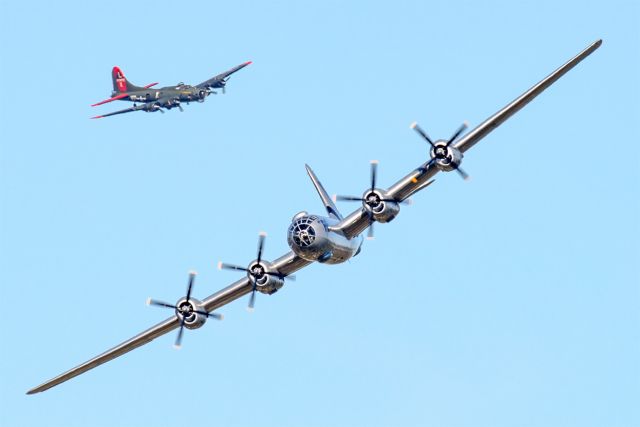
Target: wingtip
{"type": "Point", "coordinates": [413, 125]}
{"type": "Point", "coordinates": [193, 273]}
{"type": "Point", "coordinates": [32, 391]}
{"type": "Point", "coordinates": [177, 346]}
{"type": "Point", "coordinates": [308, 168]}
{"type": "Point", "coordinates": [262, 234]}
{"type": "Point", "coordinates": [97, 117]}
{"type": "Point", "coordinates": [374, 162]}
{"type": "Point", "coordinates": [219, 265]}
{"type": "Point", "coordinates": [248, 63]}
{"type": "Point", "coordinates": [148, 301]}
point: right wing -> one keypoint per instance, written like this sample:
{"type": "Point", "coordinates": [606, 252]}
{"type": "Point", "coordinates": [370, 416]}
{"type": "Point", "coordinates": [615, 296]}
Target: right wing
{"type": "Point", "coordinates": [135, 342]}
{"type": "Point", "coordinates": [149, 106]}
{"type": "Point", "coordinates": [285, 265]}
{"type": "Point", "coordinates": [224, 296]}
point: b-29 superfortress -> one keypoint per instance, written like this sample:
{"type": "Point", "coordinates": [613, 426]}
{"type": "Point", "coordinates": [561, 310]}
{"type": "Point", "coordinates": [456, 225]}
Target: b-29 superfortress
{"type": "Point", "coordinates": [330, 239]}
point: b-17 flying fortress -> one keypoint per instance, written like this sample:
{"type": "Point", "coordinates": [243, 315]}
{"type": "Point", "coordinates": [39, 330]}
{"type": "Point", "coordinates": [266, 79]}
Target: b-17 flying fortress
{"type": "Point", "coordinates": [167, 97]}
{"type": "Point", "coordinates": [329, 238]}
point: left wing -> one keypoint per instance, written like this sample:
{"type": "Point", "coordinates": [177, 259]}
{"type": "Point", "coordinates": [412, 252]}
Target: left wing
{"type": "Point", "coordinates": [417, 180]}
{"type": "Point", "coordinates": [220, 80]}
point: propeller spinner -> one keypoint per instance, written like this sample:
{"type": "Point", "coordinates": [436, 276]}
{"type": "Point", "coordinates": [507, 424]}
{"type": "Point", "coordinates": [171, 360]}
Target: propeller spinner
{"type": "Point", "coordinates": [188, 310]}
{"type": "Point", "coordinates": [259, 273]}
{"type": "Point", "coordinates": [374, 201]}
{"type": "Point", "coordinates": [443, 154]}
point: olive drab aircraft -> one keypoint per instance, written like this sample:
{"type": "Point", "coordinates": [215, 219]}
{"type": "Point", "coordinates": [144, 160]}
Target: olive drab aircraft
{"type": "Point", "coordinates": [330, 238]}
{"type": "Point", "coordinates": [168, 97]}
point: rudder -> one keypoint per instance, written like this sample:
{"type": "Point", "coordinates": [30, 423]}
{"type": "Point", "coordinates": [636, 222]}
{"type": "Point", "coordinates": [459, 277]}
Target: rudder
{"type": "Point", "coordinates": [120, 82]}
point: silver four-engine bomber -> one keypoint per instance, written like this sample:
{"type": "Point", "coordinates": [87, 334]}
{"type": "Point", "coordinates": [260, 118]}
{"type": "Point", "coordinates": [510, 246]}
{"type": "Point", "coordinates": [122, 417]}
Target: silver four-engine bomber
{"type": "Point", "coordinates": [330, 239]}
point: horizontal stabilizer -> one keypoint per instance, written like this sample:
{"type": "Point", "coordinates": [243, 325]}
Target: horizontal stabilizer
{"type": "Point", "coordinates": [115, 98]}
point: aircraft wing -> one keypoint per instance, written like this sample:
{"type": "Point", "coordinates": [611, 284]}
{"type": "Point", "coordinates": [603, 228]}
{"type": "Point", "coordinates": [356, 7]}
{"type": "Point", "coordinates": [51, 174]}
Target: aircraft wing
{"type": "Point", "coordinates": [149, 106]}
{"type": "Point", "coordinates": [135, 342]}
{"type": "Point", "coordinates": [418, 179]}
{"type": "Point", "coordinates": [219, 80]}
{"type": "Point", "coordinates": [285, 265]}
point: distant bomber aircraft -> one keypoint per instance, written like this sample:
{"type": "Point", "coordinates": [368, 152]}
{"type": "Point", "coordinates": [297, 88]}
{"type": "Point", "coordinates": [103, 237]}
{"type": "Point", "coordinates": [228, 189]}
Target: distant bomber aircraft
{"type": "Point", "coordinates": [165, 97]}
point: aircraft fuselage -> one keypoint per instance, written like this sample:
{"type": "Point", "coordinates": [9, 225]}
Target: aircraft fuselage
{"type": "Point", "coordinates": [312, 238]}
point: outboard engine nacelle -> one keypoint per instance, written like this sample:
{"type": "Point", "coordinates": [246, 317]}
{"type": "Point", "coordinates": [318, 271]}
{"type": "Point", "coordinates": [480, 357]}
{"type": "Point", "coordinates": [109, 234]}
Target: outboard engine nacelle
{"type": "Point", "coordinates": [188, 310]}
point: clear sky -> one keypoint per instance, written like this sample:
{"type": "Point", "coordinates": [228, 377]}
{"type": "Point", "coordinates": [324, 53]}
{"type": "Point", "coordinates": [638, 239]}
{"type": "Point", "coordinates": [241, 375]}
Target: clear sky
{"type": "Point", "coordinates": [510, 300]}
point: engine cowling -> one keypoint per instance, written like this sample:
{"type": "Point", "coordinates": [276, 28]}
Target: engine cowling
{"type": "Point", "coordinates": [378, 203]}
{"type": "Point", "coordinates": [446, 157]}
{"type": "Point", "coordinates": [265, 277]}
{"type": "Point", "coordinates": [187, 310]}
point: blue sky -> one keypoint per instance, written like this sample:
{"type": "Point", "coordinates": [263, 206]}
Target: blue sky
{"type": "Point", "coordinates": [508, 300]}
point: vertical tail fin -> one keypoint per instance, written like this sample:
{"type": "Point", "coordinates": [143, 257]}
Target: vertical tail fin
{"type": "Point", "coordinates": [120, 82]}
{"type": "Point", "coordinates": [326, 200]}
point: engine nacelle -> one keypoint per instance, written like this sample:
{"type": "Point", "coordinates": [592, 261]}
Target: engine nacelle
{"type": "Point", "coordinates": [311, 238]}
{"type": "Point", "coordinates": [187, 310]}
{"type": "Point", "coordinates": [382, 207]}
{"type": "Point", "coordinates": [266, 278]}
{"type": "Point", "coordinates": [447, 157]}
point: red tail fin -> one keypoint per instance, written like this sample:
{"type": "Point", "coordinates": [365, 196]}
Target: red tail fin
{"type": "Point", "coordinates": [120, 83]}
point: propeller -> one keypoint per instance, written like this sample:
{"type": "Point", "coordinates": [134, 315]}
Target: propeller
{"type": "Point", "coordinates": [443, 151]}
{"type": "Point", "coordinates": [371, 198]}
{"type": "Point", "coordinates": [224, 85]}
{"type": "Point", "coordinates": [180, 108]}
{"type": "Point", "coordinates": [185, 309]}
{"type": "Point", "coordinates": [256, 272]}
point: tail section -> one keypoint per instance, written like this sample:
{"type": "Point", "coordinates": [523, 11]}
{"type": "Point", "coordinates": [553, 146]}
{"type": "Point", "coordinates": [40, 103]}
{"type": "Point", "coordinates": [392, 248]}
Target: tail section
{"type": "Point", "coordinates": [331, 208]}
{"type": "Point", "coordinates": [120, 82]}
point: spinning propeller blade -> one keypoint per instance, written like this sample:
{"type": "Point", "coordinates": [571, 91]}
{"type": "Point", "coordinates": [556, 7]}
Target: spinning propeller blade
{"type": "Point", "coordinates": [185, 309]}
{"type": "Point", "coordinates": [443, 152]}
{"type": "Point", "coordinates": [257, 274]}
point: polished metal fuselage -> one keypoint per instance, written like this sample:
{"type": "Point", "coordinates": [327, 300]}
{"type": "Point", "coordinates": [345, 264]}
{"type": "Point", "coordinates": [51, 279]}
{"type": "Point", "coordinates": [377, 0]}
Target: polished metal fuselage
{"type": "Point", "coordinates": [312, 238]}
